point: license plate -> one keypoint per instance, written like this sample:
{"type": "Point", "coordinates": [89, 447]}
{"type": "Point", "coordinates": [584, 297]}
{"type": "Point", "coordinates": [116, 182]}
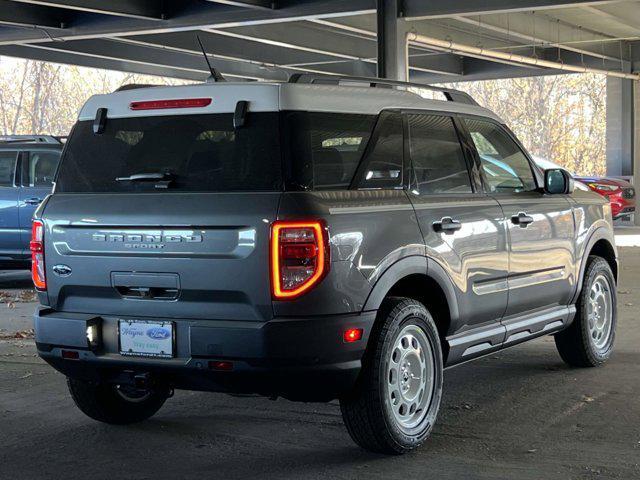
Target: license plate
{"type": "Point", "coordinates": [141, 338]}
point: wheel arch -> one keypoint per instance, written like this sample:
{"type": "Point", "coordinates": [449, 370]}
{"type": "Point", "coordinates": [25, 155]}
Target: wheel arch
{"type": "Point", "coordinates": [602, 244]}
{"type": "Point", "coordinates": [424, 280]}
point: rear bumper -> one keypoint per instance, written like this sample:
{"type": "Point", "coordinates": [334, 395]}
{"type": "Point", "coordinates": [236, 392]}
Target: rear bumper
{"type": "Point", "coordinates": [297, 358]}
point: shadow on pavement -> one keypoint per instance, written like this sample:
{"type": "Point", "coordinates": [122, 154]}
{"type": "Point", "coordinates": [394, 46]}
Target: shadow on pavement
{"type": "Point", "coordinates": [15, 279]}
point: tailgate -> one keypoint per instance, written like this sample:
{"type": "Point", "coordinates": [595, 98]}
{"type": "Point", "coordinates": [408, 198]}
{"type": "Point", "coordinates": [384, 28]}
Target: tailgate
{"type": "Point", "coordinates": [177, 255]}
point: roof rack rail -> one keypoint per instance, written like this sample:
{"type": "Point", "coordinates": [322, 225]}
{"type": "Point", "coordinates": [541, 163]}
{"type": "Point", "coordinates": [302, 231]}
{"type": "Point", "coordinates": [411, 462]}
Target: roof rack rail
{"type": "Point", "coordinates": [450, 94]}
{"type": "Point", "coordinates": [30, 139]}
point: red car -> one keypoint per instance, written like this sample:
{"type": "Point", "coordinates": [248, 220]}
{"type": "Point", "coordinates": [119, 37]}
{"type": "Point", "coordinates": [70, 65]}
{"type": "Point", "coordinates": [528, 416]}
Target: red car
{"type": "Point", "coordinates": [619, 192]}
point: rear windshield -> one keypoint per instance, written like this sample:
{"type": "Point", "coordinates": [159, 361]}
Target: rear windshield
{"type": "Point", "coordinates": [197, 152]}
{"type": "Point", "coordinates": [273, 151]}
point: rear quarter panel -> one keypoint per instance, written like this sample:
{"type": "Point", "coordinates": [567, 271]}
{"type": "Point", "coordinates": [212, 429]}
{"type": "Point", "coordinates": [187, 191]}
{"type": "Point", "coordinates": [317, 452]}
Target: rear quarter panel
{"type": "Point", "coordinates": [369, 230]}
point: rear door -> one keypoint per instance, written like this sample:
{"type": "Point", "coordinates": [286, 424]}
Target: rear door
{"type": "Point", "coordinates": [541, 226]}
{"type": "Point", "coordinates": [10, 244]}
{"type": "Point", "coordinates": [190, 239]}
{"type": "Point", "coordinates": [37, 169]}
{"type": "Point", "coordinates": [462, 227]}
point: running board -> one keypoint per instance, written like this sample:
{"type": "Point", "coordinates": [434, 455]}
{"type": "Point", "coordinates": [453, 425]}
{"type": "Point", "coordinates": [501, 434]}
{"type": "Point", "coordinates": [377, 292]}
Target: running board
{"type": "Point", "coordinates": [487, 339]}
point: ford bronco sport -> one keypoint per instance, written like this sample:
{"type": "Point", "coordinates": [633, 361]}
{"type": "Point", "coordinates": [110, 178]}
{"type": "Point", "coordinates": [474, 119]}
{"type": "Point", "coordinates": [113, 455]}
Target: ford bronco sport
{"type": "Point", "coordinates": [316, 240]}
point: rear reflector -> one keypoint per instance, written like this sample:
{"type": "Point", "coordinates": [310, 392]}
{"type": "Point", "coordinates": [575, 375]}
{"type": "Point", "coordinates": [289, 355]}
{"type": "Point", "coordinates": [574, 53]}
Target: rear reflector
{"type": "Point", "coordinates": [352, 335]}
{"type": "Point", "coordinates": [165, 104]}
{"type": "Point", "coordinates": [70, 355]}
{"type": "Point", "coordinates": [299, 257]}
{"type": "Point", "coordinates": [221, 366]}
{"type": "Point", "coordinates": [37, 255]}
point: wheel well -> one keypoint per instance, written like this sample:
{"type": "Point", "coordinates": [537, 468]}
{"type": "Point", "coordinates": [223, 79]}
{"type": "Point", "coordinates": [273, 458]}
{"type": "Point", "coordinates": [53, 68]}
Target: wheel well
{"type": "Point", "coordinates": [426, 291]}
{"type": "Point", "coordinates": [604, 249]}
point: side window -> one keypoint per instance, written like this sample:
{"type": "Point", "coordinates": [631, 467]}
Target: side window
{"type": "Point", "coordinates": [7, 167]}
{"type": "Point", "coordinates": [384, 163]}
{"type": "Point", "coordinates": [437, 156]}
{"type": "Point", "coordinates": [326, 148]}
{"type": "Point", "coordinates": [39, 169]}
{"type": "Point", "coordinates": [505, 167]}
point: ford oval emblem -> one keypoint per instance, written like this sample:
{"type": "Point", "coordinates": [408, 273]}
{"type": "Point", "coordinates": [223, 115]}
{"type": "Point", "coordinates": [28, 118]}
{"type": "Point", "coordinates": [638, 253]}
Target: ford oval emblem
{"type": "Point", "coordinates": [158, 333]}
{"type": "Point", "coordinates": [62, 270]}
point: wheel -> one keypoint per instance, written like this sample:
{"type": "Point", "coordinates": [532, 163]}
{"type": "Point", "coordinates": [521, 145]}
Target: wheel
{"type": "Point", "coordinates": [588, 342]}
{"type": "Point", "coordinates": [113, 404]}
{"type": "Point", "coordinates": [394, 406]}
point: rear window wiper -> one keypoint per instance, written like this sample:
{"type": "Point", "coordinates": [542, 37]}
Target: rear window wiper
{"type": "Point", "coordinates": [163, 180]}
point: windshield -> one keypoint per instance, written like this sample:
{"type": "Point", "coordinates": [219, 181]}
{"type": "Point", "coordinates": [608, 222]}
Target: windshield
{"type": "Point", "coordinates": [191, 153]}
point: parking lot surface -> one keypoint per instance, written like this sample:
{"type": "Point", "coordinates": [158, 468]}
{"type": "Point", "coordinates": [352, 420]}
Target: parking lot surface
{"type": "Point", "coordinates": [517, 414]}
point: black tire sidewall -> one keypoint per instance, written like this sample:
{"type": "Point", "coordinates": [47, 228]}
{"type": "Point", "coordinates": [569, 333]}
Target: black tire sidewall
{"type": "Point", "coordinates": [417, 315]}
{"type": "Point", "coordinates": [597, 266]}
{"type": "Point", "coordinates": [103, 403]}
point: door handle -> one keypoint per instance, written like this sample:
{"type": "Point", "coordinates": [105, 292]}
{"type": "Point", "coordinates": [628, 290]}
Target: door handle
{"type": "Point", "coordinates": [447, 225]}
{"type": "Point", "coordinates": [33, 201]}
{"type": "Point", "coordinates": [522, 219]}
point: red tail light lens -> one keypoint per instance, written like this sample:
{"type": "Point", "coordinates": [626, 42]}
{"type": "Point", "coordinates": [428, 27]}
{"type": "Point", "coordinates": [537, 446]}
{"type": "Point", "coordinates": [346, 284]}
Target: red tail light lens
{"type": "Point", "coordinates": [165, 104]}
{"type": "Point", "coordinates": [37, 255]}
{"type": "Point", "coordinates": [299, 257]}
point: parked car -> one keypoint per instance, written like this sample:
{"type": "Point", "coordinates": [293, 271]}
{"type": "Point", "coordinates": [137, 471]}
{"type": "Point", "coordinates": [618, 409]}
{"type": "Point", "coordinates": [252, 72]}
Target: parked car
{"type": "Point", "coordinates": [314, 241]}
{"type": "Point", "coordinates": [618, 191]}
{"type": "Point", "coordinates": [27, 166]}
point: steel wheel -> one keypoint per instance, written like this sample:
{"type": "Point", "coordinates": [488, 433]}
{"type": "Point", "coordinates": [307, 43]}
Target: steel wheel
{"type": "Point", "coordinates": [410, 377]}
{"type": "Point", "coordinates": [599, 311]}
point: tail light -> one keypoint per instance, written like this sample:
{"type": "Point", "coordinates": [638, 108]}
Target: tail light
{"type": "Point", "coordinates": [299, 257]}
{"type": "Point", "coordinates": [37, 255]}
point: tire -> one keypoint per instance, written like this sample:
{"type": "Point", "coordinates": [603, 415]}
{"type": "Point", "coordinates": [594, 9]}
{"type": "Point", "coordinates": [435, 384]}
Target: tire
{"type": "Point", "coordinates": [106, 403]}
{"type": "Point", "coordinates": [368, 411]}
{"type": "Point", "coordinates": [583, 344]}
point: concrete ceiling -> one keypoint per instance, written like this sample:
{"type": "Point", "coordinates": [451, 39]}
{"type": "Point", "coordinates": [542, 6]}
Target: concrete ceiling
{"type": "Point", "coordinates": [264, 39]}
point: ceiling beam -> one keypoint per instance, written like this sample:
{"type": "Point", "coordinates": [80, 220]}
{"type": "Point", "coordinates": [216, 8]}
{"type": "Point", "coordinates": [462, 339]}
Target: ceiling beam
{"type": "Point", "coordinates": [194, 15]}
{"type": "Point", "coordinates": [420, 9]}
{"type": "Point", "coordinates": [631, 21]}
{"type": "Point", "coordinates": [152, 57]}
{"type": "Point", "coordinates": [45, 55]}
{"type": "Point", "coordinates": [242, 50]}
{"type": "Point", "coordinates": [144, 9]}
{"type": "Point", "coordinates": [30, 16]}
{"type": "Point", "coordinates": [480, 70]}
{"type": "Point", "coordinates": [543, 31]}
{"type": "Point", "coordinates": [248, 3]}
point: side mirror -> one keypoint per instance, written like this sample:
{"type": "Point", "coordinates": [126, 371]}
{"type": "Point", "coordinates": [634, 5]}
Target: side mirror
{"type": "Point", "coordinates": [557, 180]}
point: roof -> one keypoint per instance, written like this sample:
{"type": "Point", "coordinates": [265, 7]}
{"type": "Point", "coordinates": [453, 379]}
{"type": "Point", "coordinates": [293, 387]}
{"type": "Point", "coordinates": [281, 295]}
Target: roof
{"type": "Point", "coordinates": [266, 97]}
{"type": "Point", "coordinates": [38, 141]}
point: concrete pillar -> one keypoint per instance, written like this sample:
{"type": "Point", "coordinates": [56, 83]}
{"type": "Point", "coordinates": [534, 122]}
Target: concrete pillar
{"type": "Point", "coordinates": [620, 129]}
{"type": "Point", "coordinates": [392, 49]}
{"type": "Point", "coordinates": [636, 143]}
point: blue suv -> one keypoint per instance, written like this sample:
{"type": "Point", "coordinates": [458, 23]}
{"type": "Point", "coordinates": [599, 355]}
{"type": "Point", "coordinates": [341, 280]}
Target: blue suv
{"type": "Point", "coordinates": [27, 166]}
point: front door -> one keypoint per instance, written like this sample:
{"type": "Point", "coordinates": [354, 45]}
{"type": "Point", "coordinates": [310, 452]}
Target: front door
{"type": "Point", "coordinates": [462, 228]}
{"type": "Point", "coordinates": [10, 245]}
{"type": "Point", "coordinates": [540, 226]}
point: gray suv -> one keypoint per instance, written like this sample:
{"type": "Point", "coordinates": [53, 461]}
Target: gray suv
{"type": "Point", "coordinates": [317, 239]}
